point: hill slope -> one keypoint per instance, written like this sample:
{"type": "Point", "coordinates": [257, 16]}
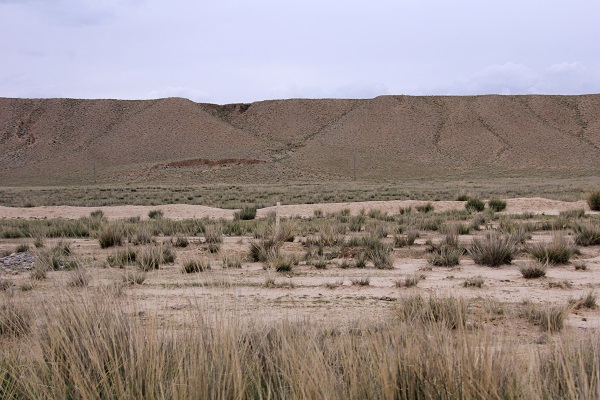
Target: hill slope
{"type": "Point", "coordinates": [59, 141]}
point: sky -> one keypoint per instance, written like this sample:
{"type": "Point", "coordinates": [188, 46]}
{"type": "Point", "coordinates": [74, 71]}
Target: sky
{"type": "Point", "coordinates": [226, 51]}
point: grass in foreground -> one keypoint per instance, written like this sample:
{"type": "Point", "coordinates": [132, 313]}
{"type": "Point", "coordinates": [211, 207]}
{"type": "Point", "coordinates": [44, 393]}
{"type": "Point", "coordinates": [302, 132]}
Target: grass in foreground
{"type": "Point", "coordinates": [90, 347]}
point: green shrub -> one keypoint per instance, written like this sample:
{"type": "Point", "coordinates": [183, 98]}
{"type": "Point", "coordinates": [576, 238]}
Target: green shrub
{"type": "Point", "coordinates": [497, 205]}
{"type": "Point", "coordinates": [246, 213]}
{"type": "Point", "coordinates": [474, 204]}
{"type": "Point", "coordinates": [264, 250]}
{"type": "Point", "coordinates": [198, 265]}
{"type": "Point", "coordinates": [493, 250]}
{"type": "Point", "coordinates": [559, 251]}
{"type": "Point", "coordinates": [593, 200]}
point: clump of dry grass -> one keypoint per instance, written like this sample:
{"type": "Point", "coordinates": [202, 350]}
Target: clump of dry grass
{"type": "Point", "coordinates": [559, 251]}
{"type": "Point", "coordinates": [533, 271]}
{"type": "Point", "coordinates": [195, 265]}
{"type": "Point", "coordinates": [363, 281]}
{"type": "Point", "coordinates": [448, 311]}
{"type": "Point", "coordinates": [111, 234]}
{"type": "Point", "coordinates": [550, 318]}
{"type": "Point", "coordinates": [476, 281]}
{"type": "Point", "coordinates": [493, 250]}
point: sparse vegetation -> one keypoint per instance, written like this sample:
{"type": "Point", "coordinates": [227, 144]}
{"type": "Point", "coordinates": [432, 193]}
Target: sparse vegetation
{"type": "Point", "coordinates": [587, 234]}
{"type": "Point", "coordinates": [365, 281]}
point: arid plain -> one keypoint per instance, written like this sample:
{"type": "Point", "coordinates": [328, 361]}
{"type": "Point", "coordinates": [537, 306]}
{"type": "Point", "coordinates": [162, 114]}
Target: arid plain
{"type": "Point", "coordinates": [409, 225]}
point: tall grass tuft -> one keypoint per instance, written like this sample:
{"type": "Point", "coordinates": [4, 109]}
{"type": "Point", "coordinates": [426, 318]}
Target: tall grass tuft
{"type": "Point", "coordinates": [493, 250]}
{"type": "Point", "coordinates": [587, 234]}
{"type": "Point", "coordinates": [593, 200]}
{"type": "Point", "coordinates": [559, 251]}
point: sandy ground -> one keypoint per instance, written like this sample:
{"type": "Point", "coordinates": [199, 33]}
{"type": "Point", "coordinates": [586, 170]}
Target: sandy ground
{"type": "Point", "coordinates": [185, 211]}
{"type": "Point", "coordinates": [326, 295]}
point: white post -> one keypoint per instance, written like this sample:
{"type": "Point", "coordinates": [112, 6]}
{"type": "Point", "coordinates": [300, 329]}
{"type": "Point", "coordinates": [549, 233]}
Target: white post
{"type": "Point", "coordinates": [277, 216]}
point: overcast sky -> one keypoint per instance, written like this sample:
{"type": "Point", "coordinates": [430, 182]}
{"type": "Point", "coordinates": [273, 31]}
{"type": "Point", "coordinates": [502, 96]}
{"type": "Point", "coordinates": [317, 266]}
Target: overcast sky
{"type": "Point", "coordinates": [226, 51]}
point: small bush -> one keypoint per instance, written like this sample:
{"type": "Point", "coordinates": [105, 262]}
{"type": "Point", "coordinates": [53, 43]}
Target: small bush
{"type": "Point", "coordinates": [463, 197]}
{"type": "Point", "coordinates": [593, 200]}
{"type": "Point", "coordinates": [559, 251]}
{"type": "Point", "coordinates": [493, 250]}
{"type": "Point", "coordinates": [134, 277]}
{"type": "Point", "coordinates": [263, 250]}
{"type": "Point", "coordinates": [143, 236]}
{"type": "Point", "coordinates": [533, 271]}
{"type": "Point", "coordinates": [445, 256]}
{"type": "Point", "coordinates": [448, 311]}
{"type": "Point", "coordinates": [14, 320]}
{"type": "Point", "coordinates": [5, 284]}
{"type": "Point", "coordinates": [38, 242]}
{"type": "Point", "coordinates": [476, 281]}
{"type": "Point", "coordinates": [181, 241]}
{"type": "Point", "coordinates": [245, 214]}
{"type": "Point", "coordinates": [150, 258]}
{"type": "Point", "coordinates": [564, 284]}
{"type": "Point", "coordinates": [588, 301]}
{"type": "Point", "coordinates": [320, 263]}
{"type": "Point", "coordinates": [213, 248]}
{"type": "Point", "coordinates": [497, 205]}
{"type": "Point", "coordinates": [97, 214]}
{"type": "Point", "coordinates": [22, 248]}
{"type": "Point", "coordinates": [361, 281]}
{"type": "Point", "coordinates": [38, 272]}
{"type": "Point", "coordinates": [282, 264]}
{"type": "Point", "coordinates": [79, 278]}
{"type": "Point", "coordinates": [425, 208]}
{"type": "Point", "coordinates": [110, 235]}
{"type": "Point", "coordinates": [231, 261]}
{"type": "Point", "coordinates": [580, 266]}
{"type": "Point", "coordinates": [474, 204]}
{"type": "Point", "coordinates": [550, 318]}
{"type": "Point", "coordinates": [198, 265]}
{"type": "Point", "coordinates": [587, 234]}
{"type": "Point", "coordinates": [410, 281]}
{"type": "Point", "coordinates": [155, 214]}
{"type": "Point", "coordinates": [213, 234]}
{"type": "Point", "coordinates": [572, 214]}
{"type": "Point", "coordinates": [168, 253]}
{"type": "Point", "coordinates": [122, 258]}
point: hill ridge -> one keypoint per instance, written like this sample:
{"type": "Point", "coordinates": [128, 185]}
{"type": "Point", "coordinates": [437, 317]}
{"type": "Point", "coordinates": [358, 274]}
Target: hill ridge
{"type": "Point", "coordinates": [57, 141]}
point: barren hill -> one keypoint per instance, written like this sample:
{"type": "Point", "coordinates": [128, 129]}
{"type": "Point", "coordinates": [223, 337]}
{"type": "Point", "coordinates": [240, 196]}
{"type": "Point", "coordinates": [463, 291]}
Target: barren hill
{"type": "Point", "coordinates": [62, 141]}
